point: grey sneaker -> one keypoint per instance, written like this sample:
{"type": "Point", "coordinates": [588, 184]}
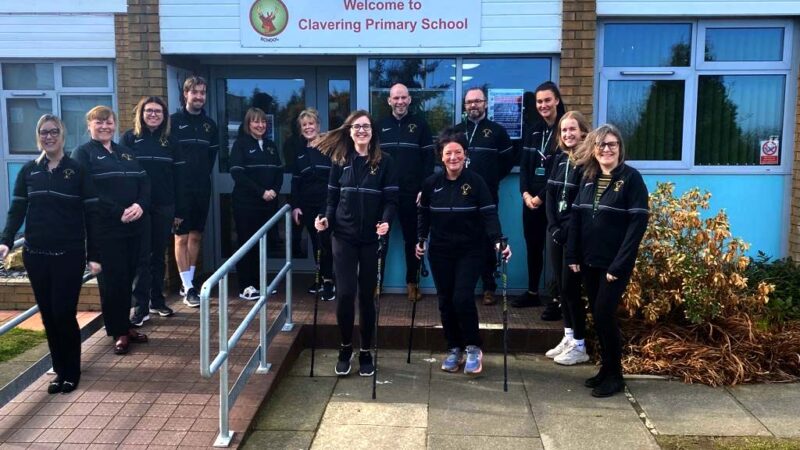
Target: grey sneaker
{"type": "Point", "coordinates": [453, 361]}
{"type": "Point", "coordinates": [192, 300]}
{"type": "Point", "coordinates": [474, 363]}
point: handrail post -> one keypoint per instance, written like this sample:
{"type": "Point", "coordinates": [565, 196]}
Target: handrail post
{"type": "Point", "coordinates": [225, 436]}
{"type": "Point", "coordinates": [263, 366]}
{"type": "Point", "coordinates": [289, 325]}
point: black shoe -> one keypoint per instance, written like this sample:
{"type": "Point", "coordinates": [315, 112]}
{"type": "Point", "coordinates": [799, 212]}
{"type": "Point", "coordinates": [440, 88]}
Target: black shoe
{"type": "Point", "coordinates": [609, 386]}
{"type": "Point", "coordinates": [526, 300]}
{"type": "Point", "coordinates": [312, 289]}
{"type": "Point", "coordinates": [328, 293]}
{"type": "Point", "coordinates": [595, 381]}
{"type": "Point", "coordinates": [366, 368]}
{"type": "Point", "coordinates": [163, 311]}
{"type": "Point", "coordinates": [191, 299]}
{"type": "Point", "coordinates": [343, 365]}
{"type": "Point", "coordinates": [552, 312]}
{"type": "Point", "coordinates": [139, 318]}
{"type": "Point", "coordinates": [55, 386]}
{"type": "Point", "coordinates": [69, 386]}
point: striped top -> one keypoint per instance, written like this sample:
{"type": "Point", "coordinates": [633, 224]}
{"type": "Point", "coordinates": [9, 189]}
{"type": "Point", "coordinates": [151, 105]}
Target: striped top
{"type": "Point", "coordinates": [602, 183]}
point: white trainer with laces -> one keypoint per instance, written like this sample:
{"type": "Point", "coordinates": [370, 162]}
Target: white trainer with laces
{"type": "Point", "coordinates": [574, 354]}
{"type": "Point", "coordinates": [560, 348]}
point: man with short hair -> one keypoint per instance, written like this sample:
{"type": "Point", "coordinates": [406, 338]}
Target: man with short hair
{"type": "Point", "coordinates": [199, 139]}
{"type": "Point", "coordinates": [408, 139]}
{"type": "Point", "coordinates": [491, 155]}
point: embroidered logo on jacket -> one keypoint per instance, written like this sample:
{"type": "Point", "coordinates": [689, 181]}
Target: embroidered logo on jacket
{"type": "Point", "coordinates": [412, 127]}
{"type": "Point", "coordinates": [207, 127]}
{"type": "Point", "coordinates": [487, 132]}
{"type": "Point", "coordinates": [126, 157]}
{"type": "Point", "coordinates": [466, 189]}
{"type": "Point", "coordinates": [618, 185]}
{"type": "Point", "coordinates": [68, 174]}
{"type": "Point", "coordinates": [373, 170]}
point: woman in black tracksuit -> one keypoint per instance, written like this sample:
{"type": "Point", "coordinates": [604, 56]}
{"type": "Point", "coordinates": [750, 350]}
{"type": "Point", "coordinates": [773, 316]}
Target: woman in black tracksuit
{"type": "Point", "coordinates": [160, 156]}
{"type": "Point", "coordinates": [608, 221]}
{"type": "Point", "coordinates": [124, 192]}
{"type": "Point", "coordinates": [539, 149]}
{"type": "Point", "coordinates": [310, 175]}
{"type": "Point", "coordinates": [457, 211]}
{"type": "Point", "coordinates": [362, 199]}
{"type": "Point", "coordinates": [562, 186]}
{"type": "Point", "coordinates": [55, 198]}
{"type": "Point", "coordinates": [257, 174]}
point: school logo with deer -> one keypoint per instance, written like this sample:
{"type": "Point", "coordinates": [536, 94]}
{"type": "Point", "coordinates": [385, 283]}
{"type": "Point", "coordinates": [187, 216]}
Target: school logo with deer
{"type": "Point", "coordinates": [269, 17]}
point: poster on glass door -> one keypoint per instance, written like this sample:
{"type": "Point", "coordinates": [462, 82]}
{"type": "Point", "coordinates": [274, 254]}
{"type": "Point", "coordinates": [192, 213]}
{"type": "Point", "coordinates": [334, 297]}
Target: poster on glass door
{"type": "Point", "coordinates": [505, 108]}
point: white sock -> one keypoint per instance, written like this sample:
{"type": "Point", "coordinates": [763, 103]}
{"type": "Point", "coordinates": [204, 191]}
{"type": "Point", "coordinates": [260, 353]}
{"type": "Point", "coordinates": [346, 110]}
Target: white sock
{"type": "Point", "coordinates": [569, 333]}
{"type": "Point", "coordinates": [186, 279]}
{"type": "Point", "coordinates": [191, 273]}
{"type": "Point", "coordinates": [581, 344]}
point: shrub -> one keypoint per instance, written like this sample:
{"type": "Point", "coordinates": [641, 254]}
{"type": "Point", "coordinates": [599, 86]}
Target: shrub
{"type": "Point", "coordinates": [784, 274]}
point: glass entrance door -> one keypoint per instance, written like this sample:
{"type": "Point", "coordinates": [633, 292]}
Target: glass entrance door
{"type": "Point", "coordinates": [282, 93]}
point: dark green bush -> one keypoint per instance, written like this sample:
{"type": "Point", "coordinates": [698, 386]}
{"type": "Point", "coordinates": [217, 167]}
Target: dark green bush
{"type": "Point", "coordinates": [784, 274]}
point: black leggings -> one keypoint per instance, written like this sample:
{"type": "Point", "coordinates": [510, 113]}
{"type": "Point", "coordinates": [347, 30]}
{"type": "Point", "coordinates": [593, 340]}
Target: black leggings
{"type": "Point", "coordinates": [567, 285]}
{"type": "Point", "coordinates": [149, 288]}
{"type": "Point", "coordinates": [324, 237]}
{"type": "Point", "coordinates": [604, 297]}
{"type": "Point", "coordinates": [248, 222]}
{"type": "Point", "coordinates": [534, 228]}
{"type": "Point", "coordinates": [120, 258]}
{"type": "Point", "coordinates": [56, 283]}
{"type": "Point", "coordinates": [356, 269]}
{"type": "Point", "coordinates": [455, 273]}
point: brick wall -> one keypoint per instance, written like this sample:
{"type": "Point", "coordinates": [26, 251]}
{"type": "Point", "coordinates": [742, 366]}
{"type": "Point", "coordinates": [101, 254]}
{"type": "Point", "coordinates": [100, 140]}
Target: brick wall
{"type": "Point", "coordinates": [578, 33]}
{"type": "Point", "coordinates": [794, 231]}
{"type": "Point", "coordinates": [16, 294]}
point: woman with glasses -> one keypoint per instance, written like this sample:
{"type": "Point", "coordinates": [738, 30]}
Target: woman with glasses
{"type": "Point", "coordinates": [160, 156]}
{"type": "Point", "coordinates": [55, 198]}
{"type": "Point", "coordinates": [607, 224]}
{"type": "Point", "coordinates": [362, 199]}
{"type": "Point", "coordinates": [124, 192]}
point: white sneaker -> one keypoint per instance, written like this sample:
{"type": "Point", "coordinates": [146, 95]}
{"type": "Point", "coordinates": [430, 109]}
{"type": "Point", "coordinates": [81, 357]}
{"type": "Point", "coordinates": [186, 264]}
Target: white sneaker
{"type": "Point", "coordinates": [572, 355]}
{"type": "Point", "coordinates": [559, 349]}
{"type": "Point", "coordinates": [249, 293]}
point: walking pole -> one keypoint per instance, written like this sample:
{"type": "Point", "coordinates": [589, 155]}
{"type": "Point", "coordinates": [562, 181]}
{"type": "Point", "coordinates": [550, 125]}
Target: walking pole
{"type": "Point", "coordinates": [317, 281]}
{"type": "Point", "coordinates": [504, 277]}
{"type": "Point", "coordinates": [421, 270]}
{"type": "Point", "coordinates": [377, 297]}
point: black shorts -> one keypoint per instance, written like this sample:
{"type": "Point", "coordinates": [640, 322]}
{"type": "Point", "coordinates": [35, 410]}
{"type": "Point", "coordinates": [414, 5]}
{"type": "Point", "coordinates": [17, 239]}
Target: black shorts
{"type": "Point", "coordinates": [196, 213]}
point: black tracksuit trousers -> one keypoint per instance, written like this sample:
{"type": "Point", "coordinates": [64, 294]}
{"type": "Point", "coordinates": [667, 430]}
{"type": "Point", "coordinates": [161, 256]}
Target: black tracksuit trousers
{"type": "Point", "coordinates": [567, 286]}
{"type": "Point", "coordinates": [248, 222]}
{"type": "Point", "coordinates": [56, 283]}
{"type": "Point", "coordinates": [356, 272]}
{"type": "Point", "coordinates": [604, 298]}
{"type": "Point", "coordinates": [455, 273]}
{"type": "Point", "coordinates": [119, 257]}
{"type": "Point", "coordinates": [156, 230]}
{"type": "Point", "coordinates": [534, 228]}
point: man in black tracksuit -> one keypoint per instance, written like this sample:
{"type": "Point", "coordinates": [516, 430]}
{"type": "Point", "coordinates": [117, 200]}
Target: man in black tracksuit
{"type": "Point", "coordinates": [491, 155]}
{"type": "Point", "coordinates": [199, 140]}
{"type": "Point", "coordinates": [408, 139]}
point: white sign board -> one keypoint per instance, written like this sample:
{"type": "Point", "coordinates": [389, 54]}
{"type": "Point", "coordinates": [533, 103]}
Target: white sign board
{"type": "Point", "coordinates": [360, 23]}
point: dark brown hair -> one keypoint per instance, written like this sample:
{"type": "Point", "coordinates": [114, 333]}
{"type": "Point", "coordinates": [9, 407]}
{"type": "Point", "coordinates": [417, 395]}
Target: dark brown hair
{"type": "Point", "coordinates": [338, 145]}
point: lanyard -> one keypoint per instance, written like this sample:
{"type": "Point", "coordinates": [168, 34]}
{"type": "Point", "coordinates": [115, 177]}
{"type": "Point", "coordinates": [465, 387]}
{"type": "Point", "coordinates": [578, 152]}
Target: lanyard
{"type": "Point", "coordinates": [566, 177]}
{"type": "Point", "coordinates": [470, 136]}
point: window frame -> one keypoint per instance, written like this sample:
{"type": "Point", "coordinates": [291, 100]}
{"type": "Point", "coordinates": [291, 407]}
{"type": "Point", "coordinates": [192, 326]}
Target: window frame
{"type": "Point", "coordinates": [692, 73]}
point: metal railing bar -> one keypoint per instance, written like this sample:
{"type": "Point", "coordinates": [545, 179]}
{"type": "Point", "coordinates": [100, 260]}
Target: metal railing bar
{"type": "Point", "coordinates": [241, 381]}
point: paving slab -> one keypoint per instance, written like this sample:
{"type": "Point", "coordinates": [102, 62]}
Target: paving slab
{"type": "Point", "coordinates": [272, 439]}
{"type": "Point", "coordinates": [397, 381]}
{"type": "Point", "coordinates": [377, 413]}
{"type": "Point", "coordinates": [607, 429]}
{"type": "Point", "coordinates": [297, 404]}
{"type": "Point", "coordinates": [777, 406]}
{"type": "Point", "coordinates": [675, 408]}
{"type": "Point", "coordinates": [449, 442]}
{"type": "Point", "coordinates": [324, 362]}
{"type": "Point", "coordinates": [368, 437]}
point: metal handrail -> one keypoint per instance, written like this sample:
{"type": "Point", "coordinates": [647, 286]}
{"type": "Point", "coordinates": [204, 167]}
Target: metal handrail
{"type": "Point", "coordinates": [25, 315]}
{"type": "Point", "coordinates": [258, 360]}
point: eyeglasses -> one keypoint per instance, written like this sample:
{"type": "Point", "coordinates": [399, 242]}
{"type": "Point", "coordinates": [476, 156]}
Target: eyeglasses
{"type": "Point", "coordinates": [474, 102]}
{"type": "Point", "coordinates": [153, 112]}
{"type": "Point", "coordinates": [360, 127]}
{"type": "Point", "coordinates": [613, 145]}
{"type": "Point", "coordinates": [53, 132]}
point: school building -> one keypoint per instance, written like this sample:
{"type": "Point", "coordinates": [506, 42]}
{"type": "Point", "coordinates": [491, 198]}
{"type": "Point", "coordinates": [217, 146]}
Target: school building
{"type": "Point", "coordinates": [705, 92]}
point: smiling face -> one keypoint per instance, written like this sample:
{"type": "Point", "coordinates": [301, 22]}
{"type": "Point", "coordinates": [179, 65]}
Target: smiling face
{"type": "Point", "coordinates": [606, 152]}
{"type": "Point", "coordinates": [51, 138]}
{"type": "Point", "coordinates": [546, 104]}
{"type": "Point", "coordinates": [310, 128]}
{"type": "Point", "coordinates": [153, 115]}
{"type": "Point", "coordinates": [475, 104]}
{"type": "Point", "coordinates": [102, 130]}
{"type": "Point", "coordinates": [257, 127]}
{"type": "Point", "coordinates": [399, 99]}
{"type": "Point", "coordinates": [571, 134]}
{"type": "Point", "coordinates": [361, 133]}
{"type": "Point", "coordinates": [453, 157]}
{"type": "Point", "coordinates": [195, 98]}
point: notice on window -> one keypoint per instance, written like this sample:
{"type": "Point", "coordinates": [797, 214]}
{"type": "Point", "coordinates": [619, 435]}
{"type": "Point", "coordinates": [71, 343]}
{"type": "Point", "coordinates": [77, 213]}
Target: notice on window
{"type": "Point", "coordinates": [770, 152]}
{"type": "Point", "coordinates": [270, 133]}
{"type": "Point", "coordinates": [505, 108]}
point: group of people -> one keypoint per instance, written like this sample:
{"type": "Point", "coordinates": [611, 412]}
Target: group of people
{"type": "Point", "coordinates": [583, 208]}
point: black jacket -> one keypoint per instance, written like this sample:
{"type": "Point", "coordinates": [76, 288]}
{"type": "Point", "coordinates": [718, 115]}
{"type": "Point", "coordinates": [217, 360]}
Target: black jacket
{"type": "Point", "coordinates": [360, 196]}
{"type": "Point", "coordinates": [58, 208]}
{"type": "Point", "coordinates": [163, 161]}
{"type": "Point", "coordinates": [539, 146]}
{"type": "Point", "coordinates": [410, 143]}
{"type": "Point", "coordinates": [562, 186]}
{"type": "Point", "coordinates": [119, 181]}
{"type": "Point", "coordinates": [199, 139]}
{"type": "Point", "coordinates": [310, 174]}
{"type": "Point", "coordinates": [607, 235]}
{"type": "Point", "coordinates": [491, 153]}
{"type": "Point", "coordinates": [458, 213]}
{"type": "Point", "coordinates": [254, 170]}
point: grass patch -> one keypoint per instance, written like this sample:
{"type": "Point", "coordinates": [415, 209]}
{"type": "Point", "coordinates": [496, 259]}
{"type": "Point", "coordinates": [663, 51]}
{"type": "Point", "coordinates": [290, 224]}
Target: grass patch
{"type": "Point", "coordinates": [726, 443]}
{"type": "Point", "coordinates": [18, 341]}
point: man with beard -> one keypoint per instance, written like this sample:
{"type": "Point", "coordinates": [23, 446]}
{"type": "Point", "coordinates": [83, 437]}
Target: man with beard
{"type": "Point", "coordinates": [491, 155]}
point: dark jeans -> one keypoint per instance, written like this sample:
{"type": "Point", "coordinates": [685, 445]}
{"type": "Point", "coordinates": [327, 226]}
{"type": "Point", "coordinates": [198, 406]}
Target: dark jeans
{"type": "Point", "coordinates": [317, 238]}
{"type": "Point", "coordinates": [407, 216]}
{"type": "Point", "coordinates": [149, 287]}
{"type": "Point", "coordinates": [455, 274]}
{"type": "Point", "coordinates": [56, 283]}
{"type": "Point", "coordinates": [356, 273]}
{"type": "Point", "coordinates": [567, 285]}
{"type": "Point", "coordinates": [248, 222]}
{"type": "Point", "coordinates": [534, 228]}
{"type": "Point", "coordinates": [119, 258]}
{"type": "Point", "coordinates": [604, 298]}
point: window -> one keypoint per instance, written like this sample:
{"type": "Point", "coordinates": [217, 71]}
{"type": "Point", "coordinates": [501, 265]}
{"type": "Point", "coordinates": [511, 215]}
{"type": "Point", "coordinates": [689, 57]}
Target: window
{"type": "Point", "coordinates": [705, 95]}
